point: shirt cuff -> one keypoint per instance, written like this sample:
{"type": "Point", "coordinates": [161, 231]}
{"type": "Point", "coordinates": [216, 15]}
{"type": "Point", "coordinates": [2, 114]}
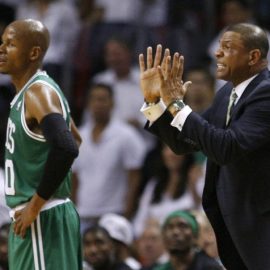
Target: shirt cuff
{"type": "Point", "coordinates": [180, 118]}
{"type": "Point", "coordinates": [153, 112]}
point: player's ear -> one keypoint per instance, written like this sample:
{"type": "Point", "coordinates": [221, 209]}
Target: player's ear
{"type": "Point", "coordinates": [35, 53]}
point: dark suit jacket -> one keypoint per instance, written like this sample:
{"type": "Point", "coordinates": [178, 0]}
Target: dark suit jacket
{"type": "Point", "coordinates": [236, 195]}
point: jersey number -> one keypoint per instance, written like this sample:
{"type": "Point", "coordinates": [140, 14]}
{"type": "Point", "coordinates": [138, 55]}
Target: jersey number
{"type": "Point", "coordinates": [9, 178]}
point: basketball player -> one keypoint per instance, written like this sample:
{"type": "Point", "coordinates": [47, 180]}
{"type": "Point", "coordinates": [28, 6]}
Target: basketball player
{"type": "Point", "coordinates": [40, 149]}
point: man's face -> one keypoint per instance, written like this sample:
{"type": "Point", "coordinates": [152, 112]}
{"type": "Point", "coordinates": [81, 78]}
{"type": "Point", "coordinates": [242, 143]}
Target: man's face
{"type": "Point", "coordinates": [98, 249]}
{"type": "Point", "coordinates": [117, 57]}
{"type": "Point", "coordinates": [201, 92]}
{"type": "Point", "coordinates": [232, 58]}
{"type": "Point", "coordinates": [150, 245]}
{"type": "Point", "coordinates": [100, 104]}
{"type": "Point", "coordinates": [13, 52]}
{"type": "Point", "coordinates": [178, 235]}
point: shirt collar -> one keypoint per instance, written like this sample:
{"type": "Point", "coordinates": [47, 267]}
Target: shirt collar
{"type": "Point", "coordinates": [240, 88]}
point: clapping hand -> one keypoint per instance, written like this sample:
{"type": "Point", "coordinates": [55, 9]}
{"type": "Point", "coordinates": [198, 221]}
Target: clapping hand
{"type": "Point", "coordinates": [162, 79]}
{"type": "Point", "coordinates": [171, 83]}
{"type": "Point", "coordinates": [150, 78]}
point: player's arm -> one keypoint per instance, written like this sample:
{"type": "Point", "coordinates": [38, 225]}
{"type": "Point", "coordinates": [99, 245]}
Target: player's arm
{"type": "Point", "coordinates": [43, 106]}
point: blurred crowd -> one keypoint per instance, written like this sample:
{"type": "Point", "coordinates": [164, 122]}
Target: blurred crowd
{"type": "Point", "coordinates": [126, 183]}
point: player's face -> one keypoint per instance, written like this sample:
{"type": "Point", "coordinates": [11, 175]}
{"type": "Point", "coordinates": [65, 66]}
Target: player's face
{"type": "Point", "coordinates": [13, 52]}
{"type": "Point", "coordinates": [232, 58]}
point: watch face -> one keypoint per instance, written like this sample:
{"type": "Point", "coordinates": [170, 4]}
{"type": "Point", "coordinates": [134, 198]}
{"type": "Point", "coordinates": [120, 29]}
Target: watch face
{"type": "Point", "coordinates": [176, 107]}
{"type": "Point", "coordinates": [179, 104]}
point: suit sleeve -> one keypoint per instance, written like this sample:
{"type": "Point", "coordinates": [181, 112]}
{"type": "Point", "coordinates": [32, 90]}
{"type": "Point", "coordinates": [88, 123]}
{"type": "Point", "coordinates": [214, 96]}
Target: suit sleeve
{"type": "Point", "coordinates": [170, 135]}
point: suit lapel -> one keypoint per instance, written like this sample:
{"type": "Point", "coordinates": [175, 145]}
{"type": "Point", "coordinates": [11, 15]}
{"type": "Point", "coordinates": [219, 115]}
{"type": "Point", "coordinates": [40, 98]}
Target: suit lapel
{"type": "Point", "coordinates": [252, 85]}
{"type": "Point", "coordinates": [219, 119]}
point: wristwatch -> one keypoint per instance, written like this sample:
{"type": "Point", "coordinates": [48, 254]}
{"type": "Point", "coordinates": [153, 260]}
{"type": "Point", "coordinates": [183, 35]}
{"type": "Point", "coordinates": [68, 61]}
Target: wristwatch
{"type": "Point", "coordinates": [176, 106]}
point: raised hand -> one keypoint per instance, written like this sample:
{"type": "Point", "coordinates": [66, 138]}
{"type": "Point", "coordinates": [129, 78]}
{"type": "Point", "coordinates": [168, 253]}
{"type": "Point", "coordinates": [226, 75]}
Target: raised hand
{"type": "Point", "coordinates": [150, 78]}
{"type": "Point", "coordinates": [171, 83]}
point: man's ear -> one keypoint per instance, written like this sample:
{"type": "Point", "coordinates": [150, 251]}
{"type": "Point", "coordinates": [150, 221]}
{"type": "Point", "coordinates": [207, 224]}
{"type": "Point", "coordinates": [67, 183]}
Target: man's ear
{"type": "Point", "coordinates": [35, 53]}
{"type": "Point", "coordinates": [254, 56]}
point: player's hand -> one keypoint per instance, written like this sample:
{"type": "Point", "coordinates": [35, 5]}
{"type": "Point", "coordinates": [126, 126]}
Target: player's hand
{"type": "Point", "coordinates": [172, 86]}
{"type": "Point", "coordinates": [150, 79]}
{"type": "Point", "coordinates": [23, 219]}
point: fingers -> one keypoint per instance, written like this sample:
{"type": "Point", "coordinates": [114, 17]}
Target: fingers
{"type": "Point", "coordinates": [161, 75]}
{"type": "Point", "coordinates": [186, 86]}
{"type": "Point", "coordinates": [149, 59]}
{"type": "Point", "coordinates": [19, 227]}
{"type": "Point", "coordinates": [167, 72]}
{"type": "Point", "coordinates": [181, 68]}
{"type": "Point", "coordinates": [166, 54]}
{"type": "Point", "coordinates": [175, 65]}
{"type": "Point", "coordinates": [23, 231]}
{"type": "Point", "coordinates": [158, 55]}
{"type": "Point", "coordinates": [141, 63]}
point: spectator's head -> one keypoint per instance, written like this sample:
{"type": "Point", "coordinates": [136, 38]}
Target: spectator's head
{"type": "Point", "coordinates": [120, 230]}
{"type": "Point", "coordinates": [118, 56]}
{"type": "Point", "coordinates": [4, 231]}
{"type": "Point", "coordinates": [202, 90]}
{"type": "Point", "coordinates": [171, 163]}
{"type": "Point", "coordinates": [236, 11]}
{"type": "Point", "coordinates": [171, 160]}
{"type": "Point", "coordinates": [180, 231]}
{"type": "Point", "coordinates": [118, 227]}
{"type": "Point", "coordinates": [100, 102]}
{"type": "Point", "coordinates": [98, 248]}
{"type": "Point", "coordinates": [150, 245]}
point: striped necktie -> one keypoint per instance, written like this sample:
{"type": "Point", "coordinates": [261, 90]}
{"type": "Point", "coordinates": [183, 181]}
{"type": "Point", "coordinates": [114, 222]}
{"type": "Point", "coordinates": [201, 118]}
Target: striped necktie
{"type": "Point", "coordinates": [233, 97]}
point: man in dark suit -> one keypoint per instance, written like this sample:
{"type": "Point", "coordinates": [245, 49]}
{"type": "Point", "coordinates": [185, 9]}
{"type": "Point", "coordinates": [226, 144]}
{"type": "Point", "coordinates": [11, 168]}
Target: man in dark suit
{"type": "Point", "coordinates": [234, 133]}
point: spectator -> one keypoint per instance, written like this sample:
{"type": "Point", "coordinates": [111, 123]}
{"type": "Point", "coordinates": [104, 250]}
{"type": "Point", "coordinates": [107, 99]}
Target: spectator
{"type": "Point", "coordinates": [168, 190]}
{"type": "Point", "coordinates": [124, 78]}
{"type": "Point", "coordinates": [180, 231]}
{"type": "Point", "coordinates": [118, 11]}
{"type": "Point", "coordinates": [199, 97]}
{"type": "Point", "coordinates": [121, 231]}
{"type": "Point", "coordinates": [107, 171]}
{"type": "Point", "coordinates": [201, 93]}
{"type": "Point", "coordinates": [62, 20]}
{"type": "Point", "coordinates": [85, 55]}
{"type": "Point", "coordinates": [99, 251]}
{"type": "Point", "coordinates": [150, 248]}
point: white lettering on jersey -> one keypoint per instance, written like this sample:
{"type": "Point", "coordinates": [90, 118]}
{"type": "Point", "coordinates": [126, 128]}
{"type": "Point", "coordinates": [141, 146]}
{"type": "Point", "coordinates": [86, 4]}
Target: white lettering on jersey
{"type": "Point", "coordinates": [10, 145]}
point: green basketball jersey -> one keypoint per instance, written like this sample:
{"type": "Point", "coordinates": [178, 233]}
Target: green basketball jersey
{"type": "Point", "coordinates": [26, 152]}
